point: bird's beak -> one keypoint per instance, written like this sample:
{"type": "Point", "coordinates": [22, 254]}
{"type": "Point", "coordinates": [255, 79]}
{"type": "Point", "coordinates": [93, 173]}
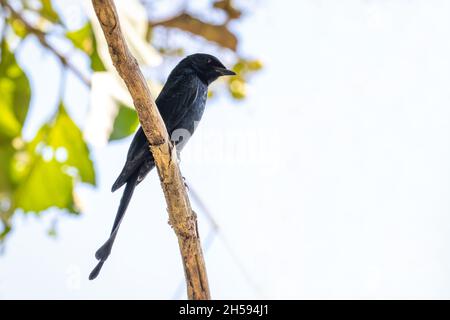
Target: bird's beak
{"type": "Point", "coordinates": [225, 72]}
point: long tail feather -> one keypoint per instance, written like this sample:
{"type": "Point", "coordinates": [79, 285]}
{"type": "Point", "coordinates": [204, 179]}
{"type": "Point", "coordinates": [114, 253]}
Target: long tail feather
{"type": "Point", "coordinates": [94, 273]}
{"type": "Point", "coordinates": [105, 250]}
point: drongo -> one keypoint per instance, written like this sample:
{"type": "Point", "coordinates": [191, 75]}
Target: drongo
{"type": "Point", "coordinates": [181, 104]}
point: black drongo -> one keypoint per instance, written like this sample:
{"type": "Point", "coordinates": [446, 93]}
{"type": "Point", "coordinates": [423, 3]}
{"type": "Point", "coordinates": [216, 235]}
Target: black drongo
{"type": "Point", "coordinates": [181, 104]}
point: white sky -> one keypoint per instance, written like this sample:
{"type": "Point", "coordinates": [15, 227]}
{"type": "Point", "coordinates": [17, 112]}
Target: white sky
{"type": "Point", "coordinates": [332, 180]}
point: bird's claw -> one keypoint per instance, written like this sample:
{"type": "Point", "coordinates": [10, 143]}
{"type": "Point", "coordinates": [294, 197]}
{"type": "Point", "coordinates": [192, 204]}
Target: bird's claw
{"type": "Point", "coordinates": [185, 183]}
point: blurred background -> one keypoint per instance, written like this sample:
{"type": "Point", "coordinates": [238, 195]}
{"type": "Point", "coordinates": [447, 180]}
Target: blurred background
{"type": "Point", "coordinates": [322, 170]}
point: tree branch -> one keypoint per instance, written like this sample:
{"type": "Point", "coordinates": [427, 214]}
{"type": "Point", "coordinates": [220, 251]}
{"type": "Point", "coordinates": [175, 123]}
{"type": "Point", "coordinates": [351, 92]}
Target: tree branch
{"type": "Point", "coordinates": [219, 34]}
{"type": "Point", "coordinates": [41, 37]}
{"type": "Point", "coordinates": [181, 217]}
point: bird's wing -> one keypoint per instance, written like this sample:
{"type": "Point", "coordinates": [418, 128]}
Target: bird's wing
{"type": "Point", "coordinates": [174, 102]}
{"type": "Point", "coordinates": [137, 154]}
{"type": "Point", "coordinates": [177, 98]}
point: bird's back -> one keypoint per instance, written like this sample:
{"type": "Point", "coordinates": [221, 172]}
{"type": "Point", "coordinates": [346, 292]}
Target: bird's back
{"type": "Point", "coordinates": [181, 104]}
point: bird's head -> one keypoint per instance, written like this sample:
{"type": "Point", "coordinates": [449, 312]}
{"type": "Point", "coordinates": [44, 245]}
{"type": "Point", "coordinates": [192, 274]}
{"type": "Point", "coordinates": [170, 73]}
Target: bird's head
{"type": "Point", "coordinates": [207, 67]}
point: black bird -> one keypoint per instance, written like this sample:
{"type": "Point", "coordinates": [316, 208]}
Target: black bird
{"type": "Point", "coordinates": [181, 104]}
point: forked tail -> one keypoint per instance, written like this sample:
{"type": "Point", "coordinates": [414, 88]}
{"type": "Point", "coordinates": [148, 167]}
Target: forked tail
{"type": "Point", "coordinates": [104, 251]}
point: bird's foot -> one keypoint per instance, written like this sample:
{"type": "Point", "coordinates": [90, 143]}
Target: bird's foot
{"type": "Point", "coordinates": [185, 183]}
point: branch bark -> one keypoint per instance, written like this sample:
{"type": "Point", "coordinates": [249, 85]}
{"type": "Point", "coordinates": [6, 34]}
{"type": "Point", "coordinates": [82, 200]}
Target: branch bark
{"type": "Point", "coordinates": [181, 217]}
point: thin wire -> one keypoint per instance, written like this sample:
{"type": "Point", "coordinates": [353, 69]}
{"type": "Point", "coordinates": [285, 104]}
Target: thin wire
{"type": "Point", "coordinates": [208, 243]}
{"type": "Point", "coordinates": [203, 207]}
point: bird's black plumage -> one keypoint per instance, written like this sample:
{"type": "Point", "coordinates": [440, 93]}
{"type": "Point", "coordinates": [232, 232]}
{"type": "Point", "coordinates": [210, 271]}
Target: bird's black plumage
{"type": "Point", "coordinates": [181, 104]}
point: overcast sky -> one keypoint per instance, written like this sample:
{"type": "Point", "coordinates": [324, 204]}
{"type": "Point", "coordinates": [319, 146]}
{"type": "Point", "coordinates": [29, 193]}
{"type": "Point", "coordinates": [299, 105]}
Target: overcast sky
{"type": "Point", "coordinates": [331, 180]}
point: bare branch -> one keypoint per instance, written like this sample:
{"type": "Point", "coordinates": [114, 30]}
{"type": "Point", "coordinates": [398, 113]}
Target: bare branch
{"type": "Point", "coordinates": [42, 39]}
{"type": "Point", "coordinates": [219, 34]}
{"type": "Point", "coordinates": [181, 217]}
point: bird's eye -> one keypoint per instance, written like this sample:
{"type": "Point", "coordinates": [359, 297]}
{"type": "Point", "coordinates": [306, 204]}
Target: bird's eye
{"type": "Point", "coordinates": [208, 61]}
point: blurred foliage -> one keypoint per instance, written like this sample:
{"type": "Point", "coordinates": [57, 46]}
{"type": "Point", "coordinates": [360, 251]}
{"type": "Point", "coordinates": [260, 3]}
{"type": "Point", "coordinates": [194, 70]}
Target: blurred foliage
{"type": "Point", "coordinates": [84, 40]}
{"type": "Point", "coordinates": [237, 84]}
{"type": "Point", "coordinates": [125, 123]}
{"type": "Point", "coordinates": [57, 155]}
{"type": "Point", "coordinates": [42, 172]}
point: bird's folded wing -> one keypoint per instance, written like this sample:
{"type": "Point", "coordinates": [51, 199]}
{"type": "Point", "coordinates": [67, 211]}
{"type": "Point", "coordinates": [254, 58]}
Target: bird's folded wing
{"type": "Point", "coordinates": [174, 102]}
{"type": "Point", "coordinates": [176, 99]}
{"type": "Point", "coordinates": [137, 155]}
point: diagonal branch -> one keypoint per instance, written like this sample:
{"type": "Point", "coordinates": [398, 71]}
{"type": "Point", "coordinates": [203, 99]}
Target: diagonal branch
{"type": "Point", "coordinates": [219, 34]}
{"type": "Point", "coordinates": [42, 39]}
{"type": "Point", "coordinates": [181, 217]}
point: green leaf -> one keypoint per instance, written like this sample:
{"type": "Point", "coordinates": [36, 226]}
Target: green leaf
{"type": "Point", "coordinates": [237, 88]}
{"type": "Point", "coordinates": [254, 65]}
{"type": "Point", "coordinates": [18, 27]}
{"type": "Point", "coordinates": [6, 228]}
{"type": "Point", "coordinates": [67, 135]}
{"type": "Point", "coordinates": [96, 62]}
{"type": "Point", "coordinates": [6, 156]}
{"type": "Point", "coordinates": [48, 12]}
{"type": "Point", "coordinates": [125, 124]}
{"type": "Point", "coordinates": [84, 39]}
{"type": "Point", "coordinates": [46, 186]}
{"type": "Point", "coordinates": [244, 66]}
{"type": "Point", "coordinates": [58, 156]}
{"type": "Point", "coordinates": [15, 94]}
